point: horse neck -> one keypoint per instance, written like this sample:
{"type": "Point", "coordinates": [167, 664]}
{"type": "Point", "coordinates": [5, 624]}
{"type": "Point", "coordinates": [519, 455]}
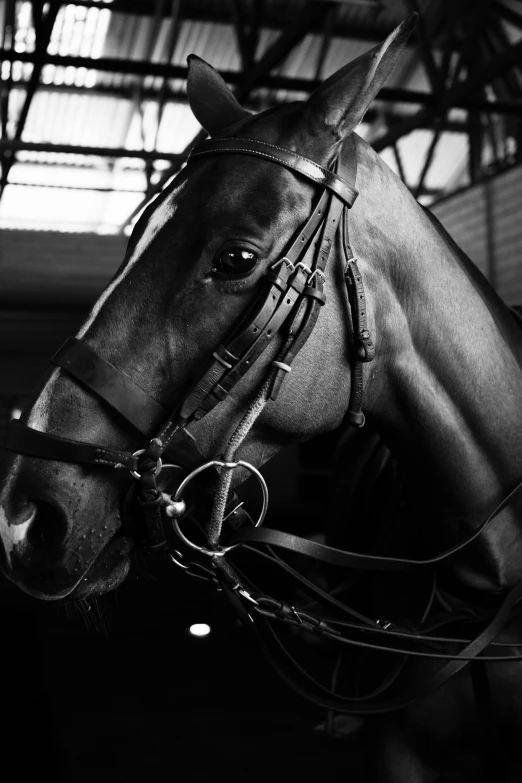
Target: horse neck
{"type": "Point", "coordinates": [444, 388]}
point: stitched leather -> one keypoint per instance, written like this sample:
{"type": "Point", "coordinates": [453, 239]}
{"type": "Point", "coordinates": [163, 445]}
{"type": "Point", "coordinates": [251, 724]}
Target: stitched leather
{"type": "Point", "coordinates": [313, 297]}
{"type": "Point", "coordinates": [305, 300]}
{"type": "Point", "coordinates": [297, 679]}
{"type": "Point", "coordinates": [285, 157]}
{"type": "Point", "coordinates": [108, 382]}
{"type": "Point", "coordinates": [26, 440]}
{"type": "Point", "coordinates": [255, 333]}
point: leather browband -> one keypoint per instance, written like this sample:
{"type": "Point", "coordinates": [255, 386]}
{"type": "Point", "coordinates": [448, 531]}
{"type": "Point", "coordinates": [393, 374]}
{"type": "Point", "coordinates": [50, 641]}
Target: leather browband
{"type": "Point", "coordinates": [292, 160]}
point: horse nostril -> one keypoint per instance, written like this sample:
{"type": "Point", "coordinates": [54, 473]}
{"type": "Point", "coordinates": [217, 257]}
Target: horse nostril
{"type": "Point", "coordinates": [48, 528]}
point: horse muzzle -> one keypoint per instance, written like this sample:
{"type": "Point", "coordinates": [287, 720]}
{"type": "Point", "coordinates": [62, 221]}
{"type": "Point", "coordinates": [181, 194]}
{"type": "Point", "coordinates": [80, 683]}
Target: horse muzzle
{"type": "Point", "coordinates": [58, 527]}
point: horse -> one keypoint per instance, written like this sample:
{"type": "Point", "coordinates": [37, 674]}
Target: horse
{"type": "Point", "coordinates": [283, 282]}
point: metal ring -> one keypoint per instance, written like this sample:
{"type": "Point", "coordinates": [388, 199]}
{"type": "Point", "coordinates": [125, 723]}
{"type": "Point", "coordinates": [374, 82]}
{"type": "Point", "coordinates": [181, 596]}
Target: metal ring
{"type": "Point", "coordinates": [159, 465]}
{"type": "Point", "coordinates": [229, 466]}
{"type": "Point", "coordinates": [177, 562]}
{"type": "Point", "coordinates": [171, 465]}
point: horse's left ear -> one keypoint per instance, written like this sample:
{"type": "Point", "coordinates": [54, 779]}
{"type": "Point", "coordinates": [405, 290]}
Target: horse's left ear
{"type": "Point", "coordinates": [211, 101]}
{"type": "Point", "coordinates": [341, 102]}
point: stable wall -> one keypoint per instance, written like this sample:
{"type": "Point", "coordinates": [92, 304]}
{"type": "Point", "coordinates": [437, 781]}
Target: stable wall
{"type": "Point", "coordinates": [46, 268]}
{"type": "Point", "coordinates": [48, 283]}
{"type": "Point", "coordinates": [485, 220]}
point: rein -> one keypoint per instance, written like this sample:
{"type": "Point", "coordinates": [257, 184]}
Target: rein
{"type": "Point", "coordinates": [288, 307]}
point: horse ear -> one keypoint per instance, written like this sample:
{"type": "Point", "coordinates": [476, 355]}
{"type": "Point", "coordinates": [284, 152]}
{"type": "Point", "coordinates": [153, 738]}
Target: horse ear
{"type": "Point", "coordinates": [341, 102]}
{"type": "Point", "coordinates": [210, 99]}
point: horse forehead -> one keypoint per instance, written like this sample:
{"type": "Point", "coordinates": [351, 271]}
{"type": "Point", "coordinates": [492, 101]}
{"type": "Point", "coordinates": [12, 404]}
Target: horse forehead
{"type": "Point", "coordinates": [246, 186]}
{"type": "Point", "coordinates": [158, 218]}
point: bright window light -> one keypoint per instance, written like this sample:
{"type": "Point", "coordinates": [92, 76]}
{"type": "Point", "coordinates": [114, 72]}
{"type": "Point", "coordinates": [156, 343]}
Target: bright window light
{"type": "Point", "coordinates": [199, 629]}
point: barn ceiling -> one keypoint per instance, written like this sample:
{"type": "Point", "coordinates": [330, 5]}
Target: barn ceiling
{"type": "Point", "coordinates": [94, 116]}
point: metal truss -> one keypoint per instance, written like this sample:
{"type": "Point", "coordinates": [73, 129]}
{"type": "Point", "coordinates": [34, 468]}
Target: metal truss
{"type": "Point", "coordinates": [458, 71]}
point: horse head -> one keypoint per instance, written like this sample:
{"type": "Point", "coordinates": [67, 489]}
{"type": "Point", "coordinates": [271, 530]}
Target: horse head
{"type": "Point", "coordinates": [194, 279]}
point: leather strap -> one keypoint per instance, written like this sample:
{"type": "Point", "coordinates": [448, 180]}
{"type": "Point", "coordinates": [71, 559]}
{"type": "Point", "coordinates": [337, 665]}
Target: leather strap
{"type": "Point", "coordinates": [285, 157]}
{"type": "Point", "coordinates": [297, 679]}
{"type": "Point", "coordinates": [340, 557]}
{"type": "Point", "coordinates": [286, 282]}
{"type": "Point", "coordinates": [363, 349]}
{"type": "Point", "coordinates": [123, 395]}
{"type": "Point", "coordinates": [26, 440]}
{"type": "Point", "coordinates": [111, 384]}
{"type": "Point", "coordinates": [322, 552]}
{"type": "Point", "coordinates": [313, 297]}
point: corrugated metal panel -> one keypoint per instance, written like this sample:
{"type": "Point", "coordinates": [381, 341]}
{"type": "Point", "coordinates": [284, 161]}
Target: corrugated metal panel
{"type": "Point", "coordinates": [87, 120]}
{"type": "Point", "coordinates": [65, 209]}
{"type": "Point", "coordinates": [463, 217]}
{"type": "Point", "coordinates": [96, 120]}
{"type": "Point", "coordinates": [50, 267]}
{"type": "Point", "coordinates": [28, 338]}
{"type": "Point", "coordinates": [506, 198]}
{"type": "Point", "coordinates": [485, 221]}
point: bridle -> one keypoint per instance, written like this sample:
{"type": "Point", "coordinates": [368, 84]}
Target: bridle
{"type": "Point", "coordinates": [288, 307]}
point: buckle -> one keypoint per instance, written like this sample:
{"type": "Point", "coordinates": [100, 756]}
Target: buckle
{"type": "Point", "coordinates": [286, 261]}
{"type": "Point", "coordinates": [159, 465]}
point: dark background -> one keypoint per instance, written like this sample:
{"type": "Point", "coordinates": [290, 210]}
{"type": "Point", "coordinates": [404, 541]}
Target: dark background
{"type": "Point", "coordinates": [124, 693]}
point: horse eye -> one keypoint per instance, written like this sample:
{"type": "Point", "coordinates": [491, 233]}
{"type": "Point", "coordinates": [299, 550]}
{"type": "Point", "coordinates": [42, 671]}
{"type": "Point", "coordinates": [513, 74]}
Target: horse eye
{"type": "Point", "coordinates": [235, 261]}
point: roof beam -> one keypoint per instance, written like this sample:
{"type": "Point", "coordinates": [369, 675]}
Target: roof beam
{"type": "Point", "coordinates": [273, 82]}
{"type": "Point", "coordinates": [276, 16]}
{"type": "Point", "coordinates": [273, 56]}
{"type": "Point", "coordinates": [509, 14]}
{"type": "Point", "coordinates": [16, 145]}
{"type": "Point", "coordinates": [494, 70]}
{"type": "Point", "coordinates": [6, 86]}
{"type": "Point", "coordinates": [425, 49]}
{"type": "Point", "coordinates": [244, 45]}
{"type": "Point", "coordinates": [438, 86]}
{"type": "Point", "coordinates": [281, 48]}
{"type": "Point", "coordinates": [44, 18]}
{"type": "Point", "coordinates": [44, 23]}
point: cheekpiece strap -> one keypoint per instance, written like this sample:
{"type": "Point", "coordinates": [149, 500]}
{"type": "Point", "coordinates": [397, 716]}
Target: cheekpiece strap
{"type": "Point", "coordinates": [289, 158]}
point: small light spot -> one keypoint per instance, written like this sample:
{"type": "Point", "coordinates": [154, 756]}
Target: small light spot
{"type": "Point", "coordinates": [199, 629]}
